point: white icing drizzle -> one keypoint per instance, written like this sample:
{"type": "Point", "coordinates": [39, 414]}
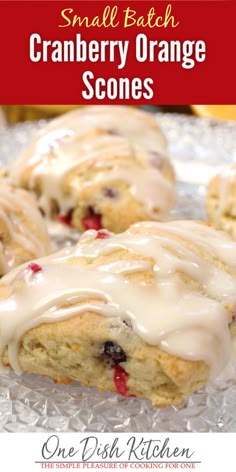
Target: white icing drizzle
{"type": "Point", "coordinates": [107, 144]}
{"type": "Point", "coordinates": [17, 208]}
{"type": "Point", "coordinates": [138, 126]}
{"type": "Point", "coordinates": [183, 310]}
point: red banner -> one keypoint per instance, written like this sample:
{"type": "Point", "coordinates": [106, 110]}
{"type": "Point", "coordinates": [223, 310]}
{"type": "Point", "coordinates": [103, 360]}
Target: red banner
{"type": "Point", "coordinates": [129, 52]}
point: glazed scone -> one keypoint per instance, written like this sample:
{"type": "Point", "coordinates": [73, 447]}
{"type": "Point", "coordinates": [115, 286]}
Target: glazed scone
{"type": "Point", "coordinates": [99, 167]}
{"type": "Point", "coordinates": [221, 200]}
{"type": "Point", "coordinates": [23, 233]}
{"type": "Point", "coordinates": [145, 313]}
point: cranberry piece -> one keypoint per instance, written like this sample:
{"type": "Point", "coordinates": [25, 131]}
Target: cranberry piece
{"type": "Point", "coordinates": [66, 218]}
{"type": "Point", "coordinates": [92, 221]}
{"type": "Point", "coordinates": [110, 193]}
{"type": "Point", "coordinates": [114, 352]}
{"type": "Point", "coordinates": [156, 159]}
{"type": "Point", "coordinates": [34, 267]}
{"type": "Point", "coordinates": [120, 378]}
{"type": "Point", "coordinates": [102, 234]}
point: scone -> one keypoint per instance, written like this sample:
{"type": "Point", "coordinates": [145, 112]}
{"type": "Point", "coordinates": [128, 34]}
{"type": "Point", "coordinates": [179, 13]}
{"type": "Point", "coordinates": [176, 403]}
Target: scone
{"type": "Point", "coordinates": [221, 200]}
{"type": "Point", "coordinates": [99, 167]}
{"type": "Point", "coordinates": [23, 233]}
{"type": "Point", "coordinates": [145, 313]}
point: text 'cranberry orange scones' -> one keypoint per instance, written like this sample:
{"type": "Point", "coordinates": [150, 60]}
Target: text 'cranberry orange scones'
{"type": "Point", "coordinates": [144, 313]}
{"type": "Point", "coordinates": [221, 200]}
{"type": "Point", "coordinates": [23, 233]}
{"type": "Point", "coordinates": [99, 166]}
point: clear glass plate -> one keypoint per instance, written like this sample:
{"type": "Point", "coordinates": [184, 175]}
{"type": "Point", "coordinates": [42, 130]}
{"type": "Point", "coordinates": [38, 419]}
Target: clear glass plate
{"type": "Point", "coordinates": [31, 403]}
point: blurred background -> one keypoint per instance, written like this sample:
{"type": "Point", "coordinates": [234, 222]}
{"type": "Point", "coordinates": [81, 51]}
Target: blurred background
{"type": "Point", "coordinates": [12, 114]}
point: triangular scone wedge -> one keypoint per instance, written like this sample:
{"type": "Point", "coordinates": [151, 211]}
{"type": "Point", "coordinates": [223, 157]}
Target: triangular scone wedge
{"type": "Point", "coordinates": [23, 231]}
{"type": "Point", "coordinates": [99, 167]}
{"type": "Point", "coordinates": [144, 313]}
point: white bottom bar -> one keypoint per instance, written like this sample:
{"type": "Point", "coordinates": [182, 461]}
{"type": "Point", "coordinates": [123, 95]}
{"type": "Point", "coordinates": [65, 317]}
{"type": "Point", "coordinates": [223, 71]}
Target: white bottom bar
{"type": "Point", "coordinates": [200, 452]}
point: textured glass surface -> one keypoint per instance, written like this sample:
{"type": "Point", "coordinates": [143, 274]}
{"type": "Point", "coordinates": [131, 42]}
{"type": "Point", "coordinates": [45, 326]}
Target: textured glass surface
{"type": "Point", "coordinates": [32, 403]}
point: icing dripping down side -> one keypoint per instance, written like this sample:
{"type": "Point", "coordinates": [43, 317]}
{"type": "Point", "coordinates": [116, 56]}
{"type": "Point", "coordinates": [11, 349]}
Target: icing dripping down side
{"type": "Point", "coordinates": [107, 144]}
